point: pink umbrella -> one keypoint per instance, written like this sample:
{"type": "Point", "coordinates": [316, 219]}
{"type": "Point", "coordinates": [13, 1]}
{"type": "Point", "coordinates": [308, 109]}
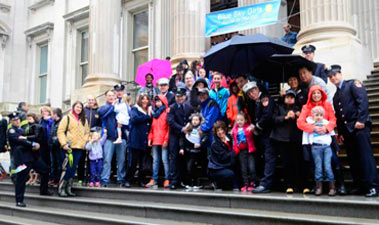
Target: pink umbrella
{"type": "Point", "coordinates": [157, 67]}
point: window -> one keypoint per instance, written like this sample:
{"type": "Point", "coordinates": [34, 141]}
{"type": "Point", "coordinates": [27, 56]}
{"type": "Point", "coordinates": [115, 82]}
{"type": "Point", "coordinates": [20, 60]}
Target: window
{"type": "Point", "coordinates": [140, 39]}
{"type": "Point", "coordinates": [43, 73]}
{"type": "Point", "coordinates": [84, 56]}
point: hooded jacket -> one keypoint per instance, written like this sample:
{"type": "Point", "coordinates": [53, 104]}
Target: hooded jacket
{"type": "Point", "coordinates": [159, 128]}
{"type": "Point", "coordinates": [249, 139]}
{"type": "Point", "coordinates": [307, 108]}
{"type": "Point", "coordinates": [232, 105]}
{"type": "Point", "coordinates": [221, 97]}
{"type": "Point", "coordinates": [194, 94]}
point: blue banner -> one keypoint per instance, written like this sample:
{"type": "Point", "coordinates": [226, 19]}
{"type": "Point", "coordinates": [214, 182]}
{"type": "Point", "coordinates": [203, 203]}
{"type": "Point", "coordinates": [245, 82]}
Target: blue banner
{"type": "Point", "coordinates": [242, 18]}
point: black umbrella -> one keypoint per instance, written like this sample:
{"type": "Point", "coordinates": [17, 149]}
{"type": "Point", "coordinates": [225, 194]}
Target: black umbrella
{"type": "Point", "coordinates": [241, 54]}
{"type": "Point", "coordinates": [279, 67]}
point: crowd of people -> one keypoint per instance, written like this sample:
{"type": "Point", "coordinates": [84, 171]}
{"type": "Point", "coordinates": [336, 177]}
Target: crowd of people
{"type": "Point", "coordinates": [198, 124]}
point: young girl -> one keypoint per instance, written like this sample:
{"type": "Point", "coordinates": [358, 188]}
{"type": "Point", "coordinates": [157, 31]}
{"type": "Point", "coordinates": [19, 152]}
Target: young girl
{"type": "Point", "coordinates": [190, 146]}
{"type": "Point", "coordinates": [244, 146]}
{"type": "Point", "coordinates": [95, 148]}
{"type": "Point", "coordinates": [122, 110]}
{"type": "Point", "coordinates": [158, 139]}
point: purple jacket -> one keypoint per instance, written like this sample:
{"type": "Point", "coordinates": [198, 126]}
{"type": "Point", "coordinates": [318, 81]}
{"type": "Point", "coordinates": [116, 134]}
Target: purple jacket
{"type": "Point", "coordinates": [96, 148]}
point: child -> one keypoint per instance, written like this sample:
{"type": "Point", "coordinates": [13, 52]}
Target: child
{"type": "Point", "coordinates": [232, 105]}
{"type": "Point", "coordinates": [95, 148]}
{"type": "Point", "coordinates": [158, 139]}
{"type": "Point", "coordinates": [219, 94]}
{"type": "Point", "coordinates": [122, 116]}
{"type": "Point", "coordinates": [244, 146]}
{"type": "Point", "coordinates": [321, 151]}
{"type": "Point", "coordinates": [190, 146]}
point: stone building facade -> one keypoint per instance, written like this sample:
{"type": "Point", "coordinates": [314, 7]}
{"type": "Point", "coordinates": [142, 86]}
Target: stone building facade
{"type": "Point", "coordinates": [56, 51]}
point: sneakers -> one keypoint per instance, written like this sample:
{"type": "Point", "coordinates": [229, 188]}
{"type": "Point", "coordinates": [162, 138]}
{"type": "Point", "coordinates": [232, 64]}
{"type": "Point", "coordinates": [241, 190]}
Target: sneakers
{"type": "Point", "coordinates": [244, 189]}
{"type": "Point", "coordinates": [151, 184]}
{"type": "Point", "coordinates": [118, 141]}
{"type": "Point", "coordinates": [188, 187]}
{"type": "Point", "coordinates": [91, 184]}
{"type": "Point", "coordinates": [97, 184]}
{"type": "Point", "coordinates": [166, 184]}
{"type": "Point", "coordinates": [306, 191]}
{"type": "Point", "coordinates": [289, 190]}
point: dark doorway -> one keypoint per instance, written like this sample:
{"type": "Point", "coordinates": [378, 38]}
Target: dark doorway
{"type": "Point", "coordinates": [293, 12]}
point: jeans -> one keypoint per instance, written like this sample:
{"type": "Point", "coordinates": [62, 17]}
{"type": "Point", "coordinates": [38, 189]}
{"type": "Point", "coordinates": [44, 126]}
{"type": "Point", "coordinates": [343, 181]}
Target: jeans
{"type": "Point", "coordinates": [160, 153]}
{"type": "Point", "coordinates": [322, 155]}
{"type": "Point", "coordinates": [109, 149]}
{"type": "Point", "coordinates": [95, 167]}
{"type": "Point", "coordinates": [247, 165]}
{"type": "Point", "coordinates": [70, 170]}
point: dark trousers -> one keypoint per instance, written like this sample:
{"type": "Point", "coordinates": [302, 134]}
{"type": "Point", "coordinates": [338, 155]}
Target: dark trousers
{"type": "Point", "coordinates": [95, 167]}
{"type": "Point", "coordinates": [192, 174]}
{"type": "Point", "coordinates": [56, 165]}
{"type": "Point", "coordinates": [40, 167]}
{"type": "Point", "coordinates": [247, 166]}
{"type": "Point", "coordinates": [45, 155]}
{"type": "Point", "coordinates": [223, 178]}
{"type": "Point", "coordinates": [173, 153]}
{"type": "Point", "coordinates": [361, 159]}
{"type": "Point", "coordinates": [135, 159]}
{"type": "Point", "coordinates": [82, 168]}
{"type": "Point", "coordinates": [264, 146]}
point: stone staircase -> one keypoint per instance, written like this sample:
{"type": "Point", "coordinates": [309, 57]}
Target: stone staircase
{"type": "Point", "coordinates": [142, 206]}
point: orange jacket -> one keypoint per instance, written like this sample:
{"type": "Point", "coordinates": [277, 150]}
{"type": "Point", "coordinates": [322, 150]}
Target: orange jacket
{"type": "Point", "coordinates": [307, 108]}
{"type": "Point", "coordinates": [232, 109]}
{"type": "Point", "coordinates": [159, 128]}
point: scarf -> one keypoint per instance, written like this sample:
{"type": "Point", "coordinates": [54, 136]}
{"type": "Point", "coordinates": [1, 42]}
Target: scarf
{"type": "Point", "coordinates": [75, 115]}
{"type": "Point", "coordinates": [158, 111]}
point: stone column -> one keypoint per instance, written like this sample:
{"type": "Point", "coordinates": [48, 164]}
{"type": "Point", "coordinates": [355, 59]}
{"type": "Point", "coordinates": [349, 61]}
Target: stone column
{"type": "Point", "coordinates": [104, 43]}
{"type": "Point", "coordinates": [189, 39]}
{"type": "Point", "coordinates": [326, 24]}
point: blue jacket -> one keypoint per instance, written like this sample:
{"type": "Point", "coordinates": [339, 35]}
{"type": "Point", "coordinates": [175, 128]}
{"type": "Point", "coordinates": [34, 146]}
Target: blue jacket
{"type": "Point", "coordinates": [46, 124]}
{"type": "Point", "coordinates": [108, 117]}
{"type": "Point", "coordinates": [221, 97]}
{"type": "Point", "coordinates": [139, 128]}
{"type": "Point", "coordinates": [211, 113]}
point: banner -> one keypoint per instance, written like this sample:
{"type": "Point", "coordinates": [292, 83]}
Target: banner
{"type": "Point", "coordinates": [242, 18]}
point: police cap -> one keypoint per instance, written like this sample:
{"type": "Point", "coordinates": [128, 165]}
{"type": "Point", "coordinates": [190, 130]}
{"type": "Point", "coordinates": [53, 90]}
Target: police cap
{"type": "Point", "coordinates": [248, 86]}
{"type": "Point", "coordinates": [333, 70]}
{"type": "Point", "coordinates": [308, 48]}
{"type": "Point", "coordinates": [119, 87]}
{"type": "Point", "coordinates": [13, 116]}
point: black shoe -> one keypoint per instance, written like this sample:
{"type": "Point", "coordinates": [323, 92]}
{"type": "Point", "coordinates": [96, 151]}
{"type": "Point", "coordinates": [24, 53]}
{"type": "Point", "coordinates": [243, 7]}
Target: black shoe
{"type": "Point", "coordinates": [127, 185]}
{"type": "Point", "coordinates": [342, 190]}
{"type": "Point", "coordinates": [260, 189]}
{"type": "Point", "coordinates": [20, 204]}
{"type": "Point", "coordinates": [356, 191]}
{"type": "Point", "coordinates": [371, 193]}
{"type": "Point", "coordinates": [104, 185]}
{"type": "Point", "coordinates": [122, 185]}
{"type": "Point", "coordinates": [173, 187]}
{"type": "Point", "coordinates": [47, 193]}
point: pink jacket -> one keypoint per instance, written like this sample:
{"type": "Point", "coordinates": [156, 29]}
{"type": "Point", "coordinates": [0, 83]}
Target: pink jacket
{"type": "Point", "coordinates": [249, 138]}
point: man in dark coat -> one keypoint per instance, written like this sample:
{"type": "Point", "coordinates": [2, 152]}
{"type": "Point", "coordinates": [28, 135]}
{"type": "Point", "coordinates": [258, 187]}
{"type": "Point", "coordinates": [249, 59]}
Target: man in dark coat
{"type": "Point", "coordinates": [177, 118]}
{"type": "Point", "coordinates": [354, 126]}
{"type": "Point", "coordinates": [309, 53]}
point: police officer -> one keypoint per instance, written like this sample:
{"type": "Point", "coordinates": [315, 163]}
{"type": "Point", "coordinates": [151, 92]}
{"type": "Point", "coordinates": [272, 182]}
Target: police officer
{"type": "Point", "coordinates": [354, 125]}
{"type": "Point", "coordinates": [309, 53]}
{"type": "Point", "coordinates": [261, 119]}
{"type": "Point", "coordinates": [22, 153]}
{"type": "Point", "coordinates": [177, 119]}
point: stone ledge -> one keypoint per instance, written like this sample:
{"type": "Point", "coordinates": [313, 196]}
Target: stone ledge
{"type": "Point", "coordinates": [40, 4]}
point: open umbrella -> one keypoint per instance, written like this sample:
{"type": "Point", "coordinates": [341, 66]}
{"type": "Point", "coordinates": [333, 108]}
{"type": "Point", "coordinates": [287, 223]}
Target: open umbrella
{"type": "Point", "coordinates": [157, 67]}
{"type": "Point", "coordinates": [241, 54]}
{"type": "Point", "coordinates": [279, 67]}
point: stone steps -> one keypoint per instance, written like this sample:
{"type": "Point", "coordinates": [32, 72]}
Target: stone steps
{"type": "Point", "coordinates": [112, 205]}
{"type": "Point", "coordinates": [14, 220]}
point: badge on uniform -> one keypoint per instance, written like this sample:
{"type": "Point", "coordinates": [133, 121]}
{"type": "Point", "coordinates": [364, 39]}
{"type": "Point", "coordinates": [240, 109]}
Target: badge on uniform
{"type": "Point", "coordinates": [96, 116]}
{"type": "Point", "coordinates": [357, 83]}
{"type": "Point", "coordinates": [12, 131]}
{"type": "Point", "coordinates": [265, 101]}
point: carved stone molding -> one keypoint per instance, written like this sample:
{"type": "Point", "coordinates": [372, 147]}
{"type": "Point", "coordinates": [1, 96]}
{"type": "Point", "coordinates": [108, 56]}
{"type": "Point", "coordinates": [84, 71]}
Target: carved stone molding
{"type": "Point", "coordinates": [39, 4]}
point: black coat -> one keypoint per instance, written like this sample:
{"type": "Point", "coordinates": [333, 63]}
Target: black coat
{"type": "Point", "coordinates": [21, 149]}
{"type": "Point", "coordinates": [172, 83]}
{"type": "Point", "coordinates": [320, 72]}
{"type": "Point", "coordinates": [93, 117]}
{"type": "Point", "coordinates": [3, 134]}
{"type": "Point", "coordinates": [221, 156]}
{"type": "Point", "coordinates": [139, 129]}
{"type": "Point", "coordinates": [177, 118]}
{"type": "Point", "coordinates": [284, 130]}
{"type": "Point", "coordinates": [35, 133]}
{"type": "Point", "coordinates": [53, 139]}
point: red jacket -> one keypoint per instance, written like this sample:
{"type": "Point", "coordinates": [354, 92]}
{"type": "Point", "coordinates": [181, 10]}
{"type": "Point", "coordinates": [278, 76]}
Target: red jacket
{"type": "Point", "coordinates": [232, 109]}
{"type": "Point", "coordinates": [307, 108]}
{"type": "Point", "coordinates": [159, 128]}
{"type": "Point", "coordinates": [249, 138]}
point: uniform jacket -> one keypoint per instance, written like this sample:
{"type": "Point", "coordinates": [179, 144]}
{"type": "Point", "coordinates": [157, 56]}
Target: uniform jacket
{"type": "Point", "coordinates": [159, 128]}
{"type": "Point", "coordinates": [21, 149]}
{"type": "Point", "coordinates": [283, 129]}
{"type": "Point", "coordinates": [177, 117]}
{"type": "Point", "coordinates": [170, 98]}
{"type": "Point", "coordinates": [108, 118]}
{"type": "Point", "coordinates": [249, 139]}
{"type": "Point", "coordinates": [221, 155]}
{"type": "Point", "coordinates": [211, 113]}
{"type": "Point", "coordinates": [93, 117]}
{"type": "Point", "coordinates": [306, 111]}
{"type": "Point", "coordinates": [140, 124]}
{"type": "Point", "coordinates": [262, 117]}
{"type": "Point", "coordinates": [77, 133]}
{"type": "Point", "coordinates": [320, 72]}
{"type": "Point", "coordinates": [221, 97]}
{"type": "Point", "coordinates": [96, 148]}
{"type": "Point", "coordinates": [351, 105]}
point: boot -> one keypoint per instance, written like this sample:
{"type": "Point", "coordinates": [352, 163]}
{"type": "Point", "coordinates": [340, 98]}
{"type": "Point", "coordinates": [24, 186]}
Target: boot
{"type": "Point", "coordinates": [62, 189]}
{"type": "Point", "coordinates": [332, 188]}
{"type": "Point", "coordinates": [68, 188]}
{"type": "Point", "coordinates": [318, 190]}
